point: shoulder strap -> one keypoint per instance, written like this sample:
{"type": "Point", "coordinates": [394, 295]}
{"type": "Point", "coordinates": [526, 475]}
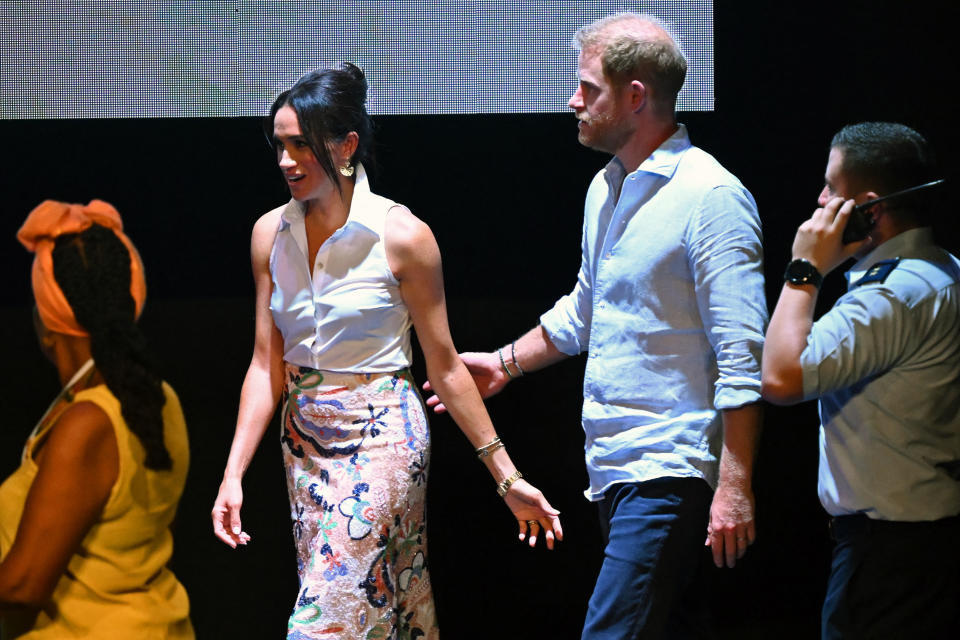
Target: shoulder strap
{"type": "Point", "coordinates": [878, 272]}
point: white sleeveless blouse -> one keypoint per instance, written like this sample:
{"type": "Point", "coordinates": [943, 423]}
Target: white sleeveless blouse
{"type": "Point", "coordinates": [345, 314]}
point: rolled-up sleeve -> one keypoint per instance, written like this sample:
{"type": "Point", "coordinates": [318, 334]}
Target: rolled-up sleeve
{"type": "Point", "coordinates": [726, 259]}
{"type": "Point", "coordinates": [567, 324]}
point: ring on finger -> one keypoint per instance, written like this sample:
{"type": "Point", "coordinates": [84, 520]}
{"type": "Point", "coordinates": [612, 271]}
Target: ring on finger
{"type": "Point", "coordinates": [530, 523]}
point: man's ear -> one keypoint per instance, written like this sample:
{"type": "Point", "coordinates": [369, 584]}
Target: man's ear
{"type": "Point", "coordinates": [873, 211]}
{"type": "Point", "coordinates": [638, 96]}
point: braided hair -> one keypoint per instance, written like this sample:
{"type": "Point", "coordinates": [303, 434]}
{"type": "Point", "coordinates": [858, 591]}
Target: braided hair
{"type": "Point", "coordinates": [92, 268]}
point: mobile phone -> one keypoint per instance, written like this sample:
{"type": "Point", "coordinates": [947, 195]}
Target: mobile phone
{"type": "Point", "coordinates": [861, 222]}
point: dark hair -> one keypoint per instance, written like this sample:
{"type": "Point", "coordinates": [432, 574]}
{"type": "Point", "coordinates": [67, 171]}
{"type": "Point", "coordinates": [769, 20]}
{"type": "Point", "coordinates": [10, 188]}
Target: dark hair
{"type": "Point", "coordinates": [92, 269]}
{"type": "Point", "coordinates": [329, 103]}
{"type": "Point", "coordinates": [885, 157]}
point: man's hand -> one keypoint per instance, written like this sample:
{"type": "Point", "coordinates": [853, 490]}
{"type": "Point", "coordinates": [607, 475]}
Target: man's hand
{"type": "Point", "coordinates": [819, 239]}
{"type": "Point", "coordinates": [486, 371]}
{"type": "Point", "coordinates": [731, 529]}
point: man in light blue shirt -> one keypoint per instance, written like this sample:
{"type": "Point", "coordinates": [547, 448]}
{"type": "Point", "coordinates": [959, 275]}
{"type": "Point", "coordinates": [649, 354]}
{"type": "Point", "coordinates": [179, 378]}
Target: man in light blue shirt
{"type": "Point", "coordinates": [885, 364]}
{"type": "Point", "coordinates": [669, 304]}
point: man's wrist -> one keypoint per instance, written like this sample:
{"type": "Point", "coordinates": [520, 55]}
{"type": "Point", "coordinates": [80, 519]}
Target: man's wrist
{"type": "Point", "coordinates": [503, 366]}
{"type": "Point", "coordinates": [741, 480]}
{"type": "Point", "coordinates": [801, 271]}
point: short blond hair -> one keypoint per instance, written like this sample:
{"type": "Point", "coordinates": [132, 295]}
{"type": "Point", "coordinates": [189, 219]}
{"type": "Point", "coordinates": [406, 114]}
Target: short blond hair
{"type": "Point", "coordinates": [640, 47]}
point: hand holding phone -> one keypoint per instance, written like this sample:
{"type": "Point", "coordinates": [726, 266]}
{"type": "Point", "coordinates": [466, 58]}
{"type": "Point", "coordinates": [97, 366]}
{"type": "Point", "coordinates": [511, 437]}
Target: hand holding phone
{"type": "Point", "coordinates": [861, 222]}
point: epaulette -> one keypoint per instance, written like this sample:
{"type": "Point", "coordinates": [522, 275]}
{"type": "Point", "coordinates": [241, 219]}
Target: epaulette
{"type": "Point", "coordinates": [878, 272]}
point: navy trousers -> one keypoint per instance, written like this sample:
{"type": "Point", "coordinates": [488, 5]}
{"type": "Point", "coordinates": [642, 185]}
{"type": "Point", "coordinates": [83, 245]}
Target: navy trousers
{"type": "Point", "coordinates": [893, 580]}
{"type": "Point", "coordinates": [654, 555]}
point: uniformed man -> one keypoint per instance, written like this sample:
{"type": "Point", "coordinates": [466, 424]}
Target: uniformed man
{"type": "Point", "coordinates": [885, 365]}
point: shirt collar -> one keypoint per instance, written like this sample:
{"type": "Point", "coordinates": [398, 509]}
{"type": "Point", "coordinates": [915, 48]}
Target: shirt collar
{"type": "Point", "coordinates": [359, 213]}
{"type": "Point", "coordinates": [905, 245]}
{"type": "Point", "coordinates": [663, 161]}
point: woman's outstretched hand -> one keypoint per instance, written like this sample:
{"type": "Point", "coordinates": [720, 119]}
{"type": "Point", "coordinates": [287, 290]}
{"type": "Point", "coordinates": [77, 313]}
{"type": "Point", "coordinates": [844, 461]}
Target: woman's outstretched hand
{"type": "Point", "coordinates": [533, 513]}
{"type": "Point", "coordinates": [226, 514]}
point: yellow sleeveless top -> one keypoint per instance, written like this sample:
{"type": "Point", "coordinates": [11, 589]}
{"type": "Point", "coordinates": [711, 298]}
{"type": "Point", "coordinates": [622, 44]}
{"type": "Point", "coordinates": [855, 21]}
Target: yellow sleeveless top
{"type": "Point", "coordinates": [117, 585]}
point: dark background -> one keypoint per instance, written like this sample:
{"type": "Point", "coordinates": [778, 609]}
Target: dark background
{"type": "Point", "coordinates": [503, 194]}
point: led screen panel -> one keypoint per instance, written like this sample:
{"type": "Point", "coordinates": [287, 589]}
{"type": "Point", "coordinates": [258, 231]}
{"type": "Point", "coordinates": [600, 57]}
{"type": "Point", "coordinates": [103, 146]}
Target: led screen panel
{"type": "Point", "coordinates": [194, 58]}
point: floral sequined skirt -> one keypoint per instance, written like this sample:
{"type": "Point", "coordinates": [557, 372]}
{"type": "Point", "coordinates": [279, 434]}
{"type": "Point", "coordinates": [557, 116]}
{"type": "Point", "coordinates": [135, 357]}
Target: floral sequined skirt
{"type": "Point", "coordinates": [356, 449]}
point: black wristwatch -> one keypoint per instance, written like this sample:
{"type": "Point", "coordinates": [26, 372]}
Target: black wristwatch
{"type": "Point", "coordinates": [801, 272]}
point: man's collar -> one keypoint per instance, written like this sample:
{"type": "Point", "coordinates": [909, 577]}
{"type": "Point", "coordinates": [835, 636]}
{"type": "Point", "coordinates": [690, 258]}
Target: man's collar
{"type": "Point", "coordinates": [359, 213]}
{"type": "Point", "coordinates": [664, 159]}
{"type": "Point", "coordinates": [906, 244]}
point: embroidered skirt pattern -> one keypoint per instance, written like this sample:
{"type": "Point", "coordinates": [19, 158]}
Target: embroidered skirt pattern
{"type": "Point", "coordinates": [356, 449]}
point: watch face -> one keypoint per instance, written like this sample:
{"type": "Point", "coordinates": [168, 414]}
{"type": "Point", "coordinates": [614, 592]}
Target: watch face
{"type": "Point", "coordinates": [802, 272]}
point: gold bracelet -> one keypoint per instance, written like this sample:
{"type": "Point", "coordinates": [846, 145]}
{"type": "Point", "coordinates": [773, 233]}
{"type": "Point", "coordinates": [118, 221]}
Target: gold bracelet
{"type": "Point", "coordinates": [490, 447]}
{"type": "Point", "coordinates": [481, 454]}
{"type": "Point", "coordinates": [504, 486]}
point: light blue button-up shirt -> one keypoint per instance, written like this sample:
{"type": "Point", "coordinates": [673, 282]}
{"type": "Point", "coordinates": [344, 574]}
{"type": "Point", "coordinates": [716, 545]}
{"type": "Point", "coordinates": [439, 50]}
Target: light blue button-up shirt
{"type": "Point", "coordinates": [885, 363]}
{"type": "Point", "coordinates": [670, 306]}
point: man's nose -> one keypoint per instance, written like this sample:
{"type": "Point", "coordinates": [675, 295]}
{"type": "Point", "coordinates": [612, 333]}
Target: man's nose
{"type": "Point", "coordinates": [824, 197]}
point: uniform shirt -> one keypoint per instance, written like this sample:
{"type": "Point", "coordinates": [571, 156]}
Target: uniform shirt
{"type": "Point", "coordinates": [344, 313]}
{"type": "Point", "coordinates": [669, 303]}
{"type": "Point", "coordinates": [885, 362]}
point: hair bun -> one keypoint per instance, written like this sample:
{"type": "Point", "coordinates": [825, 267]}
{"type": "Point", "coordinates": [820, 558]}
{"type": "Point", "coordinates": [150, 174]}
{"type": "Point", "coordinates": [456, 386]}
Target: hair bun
{"type": "Point", "coordinates": [357, 77]}
{"type": "Point", "coordinates": [330, 103]}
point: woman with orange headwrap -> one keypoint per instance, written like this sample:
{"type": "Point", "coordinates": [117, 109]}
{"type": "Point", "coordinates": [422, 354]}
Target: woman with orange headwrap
{"type": "Point", "coordinates": [85, 521]}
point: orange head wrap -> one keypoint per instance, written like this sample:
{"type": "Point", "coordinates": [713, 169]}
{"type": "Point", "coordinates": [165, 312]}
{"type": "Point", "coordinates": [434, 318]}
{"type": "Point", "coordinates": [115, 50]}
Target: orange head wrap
{"type": "Point", "coordinates": [43, 226]}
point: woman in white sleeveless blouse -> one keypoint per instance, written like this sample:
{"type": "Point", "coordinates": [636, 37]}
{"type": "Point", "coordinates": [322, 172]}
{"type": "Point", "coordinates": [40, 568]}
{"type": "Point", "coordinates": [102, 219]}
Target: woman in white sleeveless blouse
{"type": "Point", "coordinates": [341, 276]}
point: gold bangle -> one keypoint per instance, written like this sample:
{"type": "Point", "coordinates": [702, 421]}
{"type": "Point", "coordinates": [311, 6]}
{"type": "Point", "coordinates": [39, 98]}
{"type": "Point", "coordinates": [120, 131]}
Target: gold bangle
{"type": "Point", "coordinates": [504, 486]}
{"type": "Point", "coordinates": [481, 454]}
{"type": "Point", "coordinates": [490, 447]}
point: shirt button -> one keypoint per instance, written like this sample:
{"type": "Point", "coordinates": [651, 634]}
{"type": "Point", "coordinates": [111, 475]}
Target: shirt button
{"type": "Point", "coordinates": [608, 254]}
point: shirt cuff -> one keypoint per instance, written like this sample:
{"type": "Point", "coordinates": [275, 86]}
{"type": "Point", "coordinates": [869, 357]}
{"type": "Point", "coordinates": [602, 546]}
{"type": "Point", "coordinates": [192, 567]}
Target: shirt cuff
{"type": "Point", "coordinates": [736, 397]}
{"type": "Point", "coordinates": [561, 334]}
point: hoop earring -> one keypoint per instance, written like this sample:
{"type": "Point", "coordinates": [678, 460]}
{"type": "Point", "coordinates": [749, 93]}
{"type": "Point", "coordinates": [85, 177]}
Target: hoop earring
{"type": "Point", "coordinates": [346, 170]}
